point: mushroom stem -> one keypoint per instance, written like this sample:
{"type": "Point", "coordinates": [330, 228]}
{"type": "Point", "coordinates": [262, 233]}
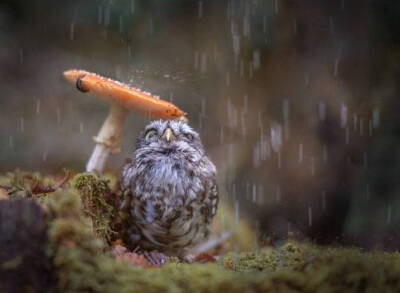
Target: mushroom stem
{"type": "Point", "coordinates": [108, 140]}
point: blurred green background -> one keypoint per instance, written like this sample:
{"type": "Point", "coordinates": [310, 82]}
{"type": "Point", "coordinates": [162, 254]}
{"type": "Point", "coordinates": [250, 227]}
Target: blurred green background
{"type": "Point", "coordinates": [296, 101]}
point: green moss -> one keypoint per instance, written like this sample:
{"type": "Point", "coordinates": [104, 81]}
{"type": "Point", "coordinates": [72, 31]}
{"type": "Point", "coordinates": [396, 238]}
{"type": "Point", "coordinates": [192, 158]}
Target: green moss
{"type": "Point", "coordinates": [82, 262]}
{"type": "Point", "coordinates": [93, 192]}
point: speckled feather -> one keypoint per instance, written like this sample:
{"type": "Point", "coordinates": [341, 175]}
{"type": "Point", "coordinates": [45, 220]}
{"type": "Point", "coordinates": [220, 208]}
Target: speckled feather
{"type": "Point", "coordinates": [170, 190]}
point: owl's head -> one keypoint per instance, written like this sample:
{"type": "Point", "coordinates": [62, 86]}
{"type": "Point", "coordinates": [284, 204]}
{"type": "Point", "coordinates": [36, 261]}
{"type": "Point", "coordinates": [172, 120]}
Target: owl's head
{"type": "Point", "coordinates": [168, 137]}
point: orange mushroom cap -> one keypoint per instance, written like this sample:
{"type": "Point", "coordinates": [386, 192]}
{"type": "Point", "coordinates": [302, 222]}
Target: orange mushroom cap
{"type": "Point", "coordinates": [121, 94]}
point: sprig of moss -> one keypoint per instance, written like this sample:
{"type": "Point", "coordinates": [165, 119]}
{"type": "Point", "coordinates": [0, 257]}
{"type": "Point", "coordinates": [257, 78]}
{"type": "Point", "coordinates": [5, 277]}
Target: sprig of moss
{"type": "Point", "coordinates": [93, 192]}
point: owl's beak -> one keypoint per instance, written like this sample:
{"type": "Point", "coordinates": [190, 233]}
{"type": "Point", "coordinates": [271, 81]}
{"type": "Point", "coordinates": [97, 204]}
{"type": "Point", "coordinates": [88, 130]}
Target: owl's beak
{"type": "Point", "coordinates": [168, 135]}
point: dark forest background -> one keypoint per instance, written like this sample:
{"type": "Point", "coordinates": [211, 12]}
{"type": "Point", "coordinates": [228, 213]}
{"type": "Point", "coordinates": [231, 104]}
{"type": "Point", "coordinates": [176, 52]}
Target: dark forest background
{"type": "Point", "coordinates": [296, 101]}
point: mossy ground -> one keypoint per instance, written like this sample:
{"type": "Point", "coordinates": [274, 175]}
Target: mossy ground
{"type": "Point", "coordinates": [79, 219]}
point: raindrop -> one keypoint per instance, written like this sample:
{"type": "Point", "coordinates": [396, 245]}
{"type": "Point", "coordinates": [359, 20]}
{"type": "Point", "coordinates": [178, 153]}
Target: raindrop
{"type": "Point", "coordinates": [265, 150]}
{"type": "Point", "coordinates": [22, 124]}
{"type": "Point", "coordinates": [306, 79]}
{"type": "Point", "coordinates": [200, 15]}
{"type": "Point", "coordinates": [200, 121]}
{"type": "Point", "coordinates": [196, 60]}
{"type": "Point", "coordinates": [343, 116]}
{"type": "Point", "coordinates": [355, 119]}
{"type": "Point", "coordinates": [230, 154]}
{"type": "Point", "coordinates": [370, 127]}
{"type": "Point", "coordinates": [132, 6]}
{"type": "Point", "coordinates": [246, 26]}
{"type": "Point", "coordinates": [241, 67]}
{"type": "Point", "coordinates": [321, 111]}
{"type": "Point", "coordinates": [228, 79]}
{"type": "Point", "coordinates": [81, 127]}
{"type": "Point", "coordinates": [120, 24]}
{"type": "Point", "coordinates": [256, 156]}
{"type": "Point", "coordinates": [243, 123]}
{"type": "Point", "coordinates": [245, 104]}
{"type": "Point", "coordinates": [256, 60]}
{"type": "Point", "coordinates": [203, 107]}
{"type": "Point", "coordinates": [278, 194]}
{"type": "Point", "coordinates": [236, 44]}
{"type": "Point", "coordinates": [365, 157]}
{"type": "Point", "coordinates": [10, 141]}
{"type": "Point", "coordinates": [286, 113]}
{"type": "Point", "coordinates": [233, 27]}
{"type": "Point", "coordinates": [107, 16]}
{"type": "Point", "coordinates": [255, 238]}
{"type": "Point", "coordinates": [375, 118]}
{"type": "Point", "coordinates": [389, 215]}
{"type": "Point", "coordinates": [342, 6]}
{"type": "Point", "coordinates": [58, 115]}
{"type": "Point", "coordinates": [99, 14]}
{"type": "Point", "coordinates": [151, 27]}
{"type": "Point", "coordinates": [336, 67]}
{"type": "Point", "coordinates": [264, 24]}
{"type": "Point", "coordinates": [45, 155]}
{"type": "Point", "coordinates": [71, 31]}
{"type": "Point", "coordinates": [324, 154]}
{"type": "Point", "coordinates": [260, 123]}
{"type": "Point", "coordinates": [276, 136]}
{"type": "Point", "coordinates": [309, 216]}
{"type": "Point", "coordinates": [254, 197]}
{"type": "Point", "coordinates": [236, 205]}
{"type": "Point", "coordinates": [300, 152]}
{"type": "Point", "coordinates": [312, 166]}
{"type": "Point", "coordinates": [221, 134]}
{"type": "Point", "coordinates": [276, 6]}
{"type": "Point", "coordinates": [129, 52]}
{"type": "Point", "coordinates": [37, 106]}
{"type": "Point", "coordinates": [203, 67]}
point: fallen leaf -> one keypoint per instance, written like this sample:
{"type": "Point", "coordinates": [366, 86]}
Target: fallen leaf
{"type": "Point", "coordinates": [122, 254]}
{"type": "Point", "coordinates": [3, 194]}
{"type": "Point", "coordinates": [204, 258]}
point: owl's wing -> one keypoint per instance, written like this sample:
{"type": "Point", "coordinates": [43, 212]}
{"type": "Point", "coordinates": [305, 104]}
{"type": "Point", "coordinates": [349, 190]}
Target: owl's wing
{"type": "Point", "coordinates": [127, 180]}
{"type": "Point", "coordinates": [210, 206]}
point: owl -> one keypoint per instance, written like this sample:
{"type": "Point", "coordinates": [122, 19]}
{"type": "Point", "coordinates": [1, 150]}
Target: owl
{"type": "Point", "coordinates": [169, 190]}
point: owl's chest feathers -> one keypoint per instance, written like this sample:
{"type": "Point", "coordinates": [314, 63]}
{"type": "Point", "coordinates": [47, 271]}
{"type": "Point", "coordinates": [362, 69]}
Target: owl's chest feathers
{"type": "Point", "coordinates": [167, 203]}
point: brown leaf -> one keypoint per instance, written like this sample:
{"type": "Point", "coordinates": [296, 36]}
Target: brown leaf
{"type": "Point", "coordinates": [204, 258]}
{"type": "Point", "coordinates": [122, 254]}
{"type": "Point", "coordinates": [38, 189]}
{"type": "Point", "coordinates": [3, 194]}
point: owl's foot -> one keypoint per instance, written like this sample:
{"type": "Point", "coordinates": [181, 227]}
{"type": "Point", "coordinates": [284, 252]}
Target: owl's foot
{"type": "Point", "coordinates": [155, 258]}
{"type": "Point", "coordinates": [189, 258]}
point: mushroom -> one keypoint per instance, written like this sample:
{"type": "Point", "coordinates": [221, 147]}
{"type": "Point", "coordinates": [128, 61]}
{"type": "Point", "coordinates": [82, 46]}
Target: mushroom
{"type": "Point", "coordinates": [122, 100]}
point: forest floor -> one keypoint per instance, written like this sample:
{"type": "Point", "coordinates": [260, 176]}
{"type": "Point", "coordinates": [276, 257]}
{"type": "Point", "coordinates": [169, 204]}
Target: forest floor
{"type": "Point", "coordinates": [60, 234]}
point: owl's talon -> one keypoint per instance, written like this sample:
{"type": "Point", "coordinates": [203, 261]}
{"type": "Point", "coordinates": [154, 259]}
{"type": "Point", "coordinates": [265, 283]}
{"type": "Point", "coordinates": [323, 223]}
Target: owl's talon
{"type": "Point", "coordinates": [189, 258]}
{"type": "Point", "coordinates": [155, 258]}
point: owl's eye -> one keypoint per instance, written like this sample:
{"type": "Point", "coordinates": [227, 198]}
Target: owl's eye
{"type": "Point", "coordinates": [150, 134]}
{"type": "Point", "coordinates": [189, 136]}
